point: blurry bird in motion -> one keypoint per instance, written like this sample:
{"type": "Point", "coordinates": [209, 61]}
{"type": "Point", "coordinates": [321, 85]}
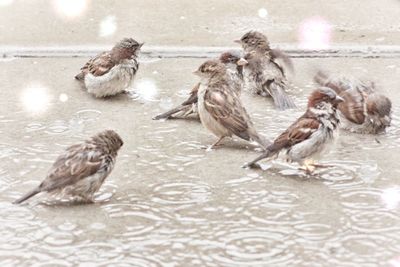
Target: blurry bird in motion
{"type": "Point", "coordinates": [189, 106]}
{"type": "Point", "coordinates": [262, 73]}
{"type": "Point", "coordinates": [309, 135]}
{"type": "Point", "coordinates": [364, 110]}
{"type": "Point", "coordinates": [82, 169]}
{"type": "Point", "coordinates": [219, 105]}
{"type": "Point", "coordinates": [111, 72]}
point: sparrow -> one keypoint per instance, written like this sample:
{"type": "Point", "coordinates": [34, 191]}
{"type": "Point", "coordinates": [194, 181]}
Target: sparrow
{"type": "Point", "coordinates": [111, 72]}
{"type": "Point", "coordinates": [220, 108]}
{"type": "Point", "coordinates": [363, 110]}
{"type": "Point", "coordinates": [310, 134]}
{"type": "Point", "coordinates": [189, 106]}
{"type": "Point", "coordinates": [81, 170]}
{"type": "Point", "coordinates": [262, 73]}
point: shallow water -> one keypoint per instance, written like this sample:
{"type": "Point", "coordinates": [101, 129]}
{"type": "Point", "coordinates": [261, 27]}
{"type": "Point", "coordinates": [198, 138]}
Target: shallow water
{"type": "Point", "coordinates": [170, 203]}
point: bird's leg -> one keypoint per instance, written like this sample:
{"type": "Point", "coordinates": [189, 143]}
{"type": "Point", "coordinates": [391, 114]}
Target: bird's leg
{"type": "Point", "coordinates": [83, 199]}
{"type": "Point", "coordinates": [308, 166]}
{"type": "Point", "coordinates": [215, 144]}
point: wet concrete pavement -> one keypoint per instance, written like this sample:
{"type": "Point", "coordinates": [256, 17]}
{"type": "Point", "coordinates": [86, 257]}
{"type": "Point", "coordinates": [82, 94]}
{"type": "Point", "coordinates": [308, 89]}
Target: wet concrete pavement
{"type": "Point", "coordinates": [168, 202]}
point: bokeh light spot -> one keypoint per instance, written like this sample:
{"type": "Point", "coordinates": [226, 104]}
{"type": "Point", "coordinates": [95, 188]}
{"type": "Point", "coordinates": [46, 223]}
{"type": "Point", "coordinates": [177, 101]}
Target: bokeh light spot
{"type": "Point", "coordinates": [35, 99]}
{"type": "Point", "coordinates": [70, 8]}
{"type": "Point", "coordinates": [391, 197]}
{"type": "Point", "coordinates": [63, 97]}
{"type": "Point", "coordinates": [146, 89]}
{"type": "Point", "coordinates": [6, 2]}
{"type": "Point", "coordinates": [108, 26]}
{"type": "Point", "coordinates": [263, 13]}
{"type": "Point", "coordinates": [315, 33]}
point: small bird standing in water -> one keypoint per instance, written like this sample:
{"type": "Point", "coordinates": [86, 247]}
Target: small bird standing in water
{"type": "Point", "coordinates": [189, 106]}
{"type": "Point", "coordinates": [82, 169]}
{"type": "Point", "coordinates": [262, 74]}
{"type": "Point", "coordinates": [111, 72]}
{"type": "Point", "coordinates": [364, 110]}
{"type": "Point", "coordinates": [219, 105]}
{"type": "Point", "coordinates": [309, 135]}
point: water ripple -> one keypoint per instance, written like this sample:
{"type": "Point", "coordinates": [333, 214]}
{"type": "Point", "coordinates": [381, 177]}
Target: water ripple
{"type": "Point", "coordinates": [181, 193]}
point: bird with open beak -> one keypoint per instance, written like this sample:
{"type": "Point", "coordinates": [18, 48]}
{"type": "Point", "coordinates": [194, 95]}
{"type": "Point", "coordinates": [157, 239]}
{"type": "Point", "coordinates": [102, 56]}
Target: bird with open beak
{"type": "Point", "coordinates": [262, 73]}
{"type": "Point", "coordinates": [220, 108]}
{"type": "Point", "coordinates": [189, 106]}
{"type": "Point", "coordinates": [81, 170]}
{"type": "Point", "coordinates": [309, 135]}
{"type": "Point", "coordinates": [364, 109]}
{"type": "Point", "coordinates": [111, 72]}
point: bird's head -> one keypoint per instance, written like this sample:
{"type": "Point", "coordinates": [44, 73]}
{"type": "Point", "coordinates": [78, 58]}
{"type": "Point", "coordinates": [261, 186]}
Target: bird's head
{"type": "Point", "coordinates": [323, 97]}
{"type": "Point", "coordinates": [210, 68]}
{"type": "Point", "coordinates": [127, 48]}
{"type": "Point", "coordinates": [254, 40]}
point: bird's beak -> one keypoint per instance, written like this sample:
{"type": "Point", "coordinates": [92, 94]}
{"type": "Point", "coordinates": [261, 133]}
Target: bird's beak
{"type": "Point", "coordinates": [339, 99]}
{"type": "Point", "coordinates": [141, 45]}
{"type": "Point", "coordinates": [197, 72]}
{"type": "Point", "coordinates": [242, 62]}
{"type": "Point", "coordinates": [238, 41]}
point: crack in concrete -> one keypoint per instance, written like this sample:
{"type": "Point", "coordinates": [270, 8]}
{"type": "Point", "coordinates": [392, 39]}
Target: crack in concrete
{"type": "Point", "coordinates": [337, 51]}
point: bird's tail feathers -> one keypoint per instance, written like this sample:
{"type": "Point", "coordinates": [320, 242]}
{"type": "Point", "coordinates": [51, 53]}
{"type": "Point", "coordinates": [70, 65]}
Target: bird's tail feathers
{"type": "Point", "coordinates": [267, 154]}
{"type": "Point", "coordinates": [169, 113]}
{"type": "Point", "coordinates": [80, 76]}
{"type": "Point", "coordinates": [28, 195]}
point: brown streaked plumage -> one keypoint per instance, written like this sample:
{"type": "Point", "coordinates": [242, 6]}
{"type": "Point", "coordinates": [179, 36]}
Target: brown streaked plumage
{"type": "Point", "coordinates": [364, 110]}
{"type": "Point", "coordinates": [111, 72]}
{"type": "Point", "coordinates": [82, 169]}
{"type": "Point", "coordinates": [220, 108]}
{"type": "Point", "coordinates": [263, 75]}
{"type": "Point", "coordinates": [308, 135]}
{"type": "Point", "coordinates": [189, 106]}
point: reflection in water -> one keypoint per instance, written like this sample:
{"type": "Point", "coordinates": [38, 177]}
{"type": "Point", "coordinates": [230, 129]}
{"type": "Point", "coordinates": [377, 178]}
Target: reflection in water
{"type": "Point", "coordinates": [35, 99]}
{"type": "Point", "coordinates": [108, 26]}
{"type": "Point", "coordinates": [70, 8]}
{"type": "Point", "coordinates": [315, 33]}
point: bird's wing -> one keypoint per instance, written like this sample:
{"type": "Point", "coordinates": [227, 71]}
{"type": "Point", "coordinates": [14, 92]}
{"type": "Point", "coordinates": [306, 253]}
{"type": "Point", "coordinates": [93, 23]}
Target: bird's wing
{"type": "Point", "coordinates": [99, 65]}
{"type": "Point", "coordinates": [224, 106]}
{"type": "Point", "coordinates": [77, 163]}
{"type": "Point", "coordinates": [272, 70]}
{"type": "Point", "coordinates": [353, 106]}
{"type": "Point", "coordinates": [276, 55]}
{"type": "Point", "coordinates": [192, 99]}
{"type": "Point", "coordinates": [298, 132]}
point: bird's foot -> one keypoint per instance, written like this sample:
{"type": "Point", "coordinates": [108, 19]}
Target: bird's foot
{"type": "Point", "coordinates": [322, 166]}
{"type": "Point", "coordinates": [251, 166]}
